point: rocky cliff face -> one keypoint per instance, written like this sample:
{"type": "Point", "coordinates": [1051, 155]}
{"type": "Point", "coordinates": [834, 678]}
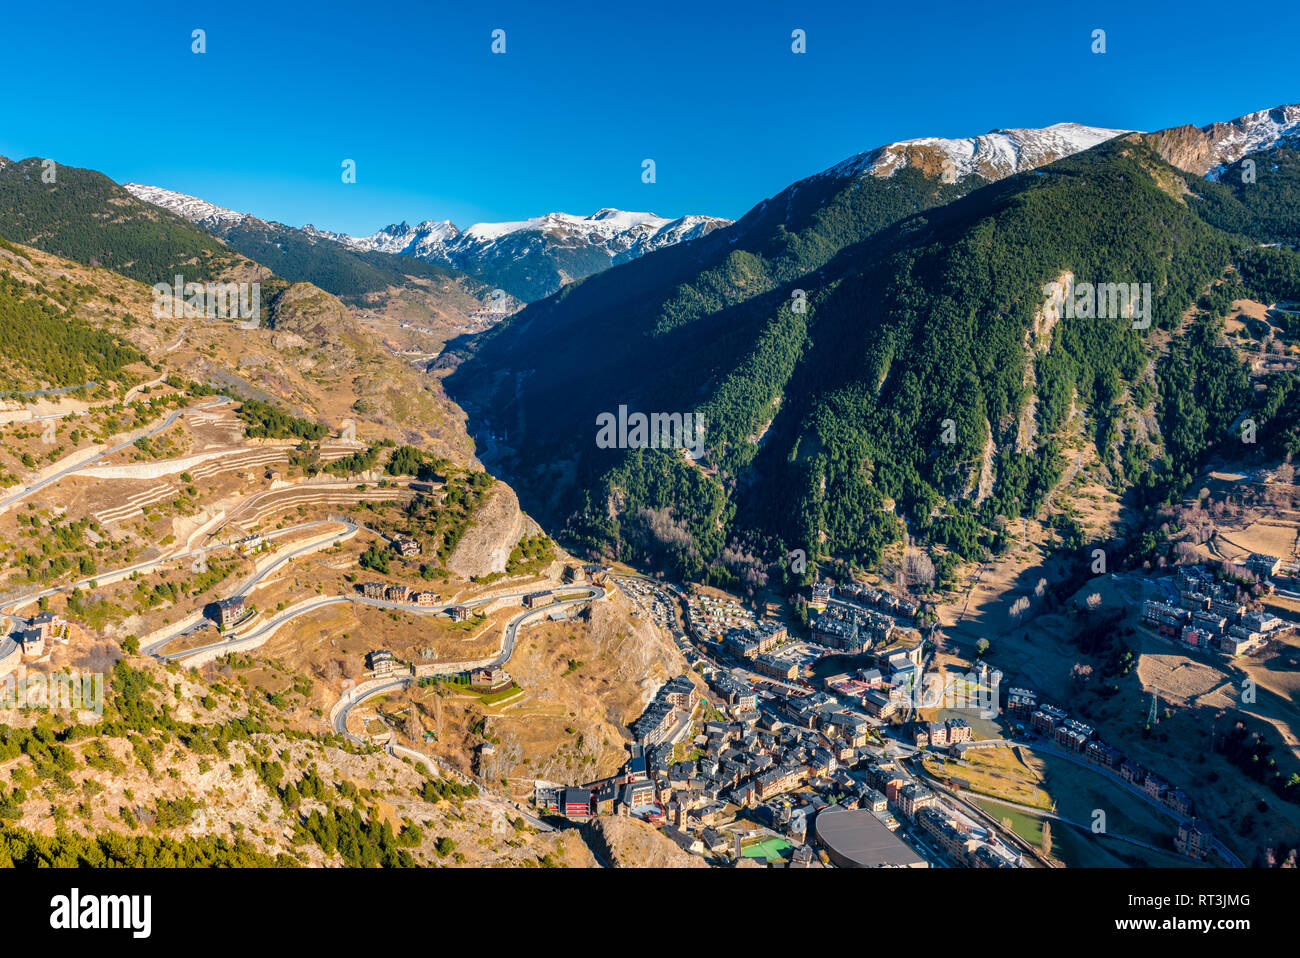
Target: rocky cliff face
{"type": "Point", "coordinates": [631, 843]}
{"type": "Point", "coordinates": [497, 526]}
{"type": "Point", "coordinates": [319, 319]}
{"type": "Point", "coordinates": [1206, 150]}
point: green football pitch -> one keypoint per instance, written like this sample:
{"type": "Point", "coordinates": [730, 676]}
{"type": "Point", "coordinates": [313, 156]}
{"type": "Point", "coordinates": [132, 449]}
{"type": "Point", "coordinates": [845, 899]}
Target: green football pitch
{"type": "Point", "coordinates": [769, 848]}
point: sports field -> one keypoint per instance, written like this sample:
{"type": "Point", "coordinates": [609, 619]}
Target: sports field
{"type": "Point", "coordinates": [769, 848]}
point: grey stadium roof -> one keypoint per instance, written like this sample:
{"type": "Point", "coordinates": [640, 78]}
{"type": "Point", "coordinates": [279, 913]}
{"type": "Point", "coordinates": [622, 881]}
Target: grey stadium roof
{"type": "Point", "coordinates": [855, 838]}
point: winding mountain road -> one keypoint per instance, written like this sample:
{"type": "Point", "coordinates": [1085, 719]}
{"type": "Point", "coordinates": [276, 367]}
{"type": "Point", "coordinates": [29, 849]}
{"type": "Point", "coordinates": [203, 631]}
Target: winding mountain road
{"type": "Point", "coordinates": [378, 686]}
{"type": "Point", "coordinates": [106, 578]}
{"type": "Point", "coordinates": [256, 638]}
{"type": "Point", "coordinates": [74, 469]}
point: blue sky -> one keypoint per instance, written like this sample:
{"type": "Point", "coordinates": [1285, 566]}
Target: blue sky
{"type": "Point", "coordinates": [442, 128]}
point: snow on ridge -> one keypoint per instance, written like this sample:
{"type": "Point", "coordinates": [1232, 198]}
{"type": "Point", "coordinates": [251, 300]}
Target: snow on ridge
{"type": "Point", "coordinates": [995, 154]}
{"type": "Point", "coordinates": [621, 234]}
{"type": "Point", "coordinates": [1251, 133]}
{"type": "Point", "coordinates": [624, 220]}
{"type": "Point", "coordinates": [688, 227]}
{"type": "Point", "coordinates": [189, 207]}
{"type": "Point", "coordinates": [606, 224]}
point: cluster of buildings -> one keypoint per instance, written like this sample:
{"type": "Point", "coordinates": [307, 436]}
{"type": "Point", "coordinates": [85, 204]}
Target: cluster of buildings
{"type": "Point", "coordinates": [781, 755]}
{"type": "Point", "coordinates": [851, 629]}
{"type": "Point", "coordinates": [751, 757]}
{"type": "Point", "coordinates": [954, 731]}
{"type": "Point", "coordinates": [757, 648]}
{"type": "Point", "coordinates": [748, 762]}
{"type": "Point", "coordinates": [710, 619]}
{"type": "Point", "coordinates": [886, 602]}
{"type": "Point", "coordinates": [962, 838]}
{"type": "Point", "coordinates": [663, 713]}
{"type": "Point", "coordinates": [399, 593]}
{"type": "Point", "coordinates": [883, 690]}
{"type": "Point", "coordinates": [857, 618]}
{"type": "Point", "coordinates": [630, 792]}
{"type": "Point", "coordinates": [763, 647]}
{"type": "Point", "coordinates": [1207, 615]}
{"type": "Point", "coordinates": [745, 758]}
{"type": "Point", "coordinates": [750, 643]}
{"type": "Point", "coordinates": [792, 758]}
{"type": "Point", "coordinates": [1055, 724]}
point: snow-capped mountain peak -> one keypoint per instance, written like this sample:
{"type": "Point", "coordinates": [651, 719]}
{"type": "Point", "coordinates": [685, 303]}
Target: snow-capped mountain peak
{"type": "Point", "coordinates": [1209, 150]}
{"type": "Point", "coordinates": [559, 246]}
{"type": "Point", "coordinates": [529, 258]}
{"type": "Point", "coordinates": [424, 240]}
{"type": "Point", "coordinates": [1255, 131]}
{"type": "Point", "coordinates": [606, 224]}
{"type": "Point", "coordinates": [996, 154]}
{"type": "Point", "coordinates": [190, 207]}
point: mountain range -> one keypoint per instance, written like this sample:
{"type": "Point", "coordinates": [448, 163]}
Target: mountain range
{"type": "Point", "coordinates": [882, 374]}
{"type": "Point", "coordinates": [533, 258]}
{"type": "Point", "coordinates": [828, 337]}
{"type": "Point", "coordinates": [869, 346]}
{"type": "Point", "coordinates": [529, 259]}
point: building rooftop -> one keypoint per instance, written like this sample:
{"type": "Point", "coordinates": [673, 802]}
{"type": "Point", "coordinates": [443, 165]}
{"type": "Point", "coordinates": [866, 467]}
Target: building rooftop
{"type": "Point", "coordinates": [856, 838]}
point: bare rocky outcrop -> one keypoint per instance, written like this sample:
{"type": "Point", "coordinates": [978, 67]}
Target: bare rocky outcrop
{"type": "Point", "coordinates": [985, 487]}
{"type": "Point", "coordinates": [1204, 150]}
{"type": "Point", "coordinates": [497, 526]}
{"type": "Point", "coordinates": [996, 154]}
{"type": "Point", "coordinates": [631, 843]}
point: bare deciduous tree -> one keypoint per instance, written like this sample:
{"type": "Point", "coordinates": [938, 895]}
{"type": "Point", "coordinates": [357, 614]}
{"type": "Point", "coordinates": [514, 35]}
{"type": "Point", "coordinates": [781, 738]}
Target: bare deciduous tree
{"type": "Point", "coordinates": [1080, 675]}
{"type": "Point", "coordinates": [920, 570]}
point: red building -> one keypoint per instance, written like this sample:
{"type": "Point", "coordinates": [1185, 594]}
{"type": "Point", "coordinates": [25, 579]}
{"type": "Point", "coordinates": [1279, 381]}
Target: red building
{"type": "Point", "coordinates": [577, 804]}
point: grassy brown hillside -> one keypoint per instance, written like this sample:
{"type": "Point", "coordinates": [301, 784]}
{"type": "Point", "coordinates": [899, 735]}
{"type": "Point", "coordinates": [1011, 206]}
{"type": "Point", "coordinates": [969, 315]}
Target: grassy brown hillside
{"type": "Point", "coordinates": [176, 757]}
{"type": "Point", "coordinates": [110, 492]}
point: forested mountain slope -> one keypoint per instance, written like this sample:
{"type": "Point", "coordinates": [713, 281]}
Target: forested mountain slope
{"type": "Point", "coordinates": [920, 379]}
{"type": "Point", "coordinates": [84, 216]}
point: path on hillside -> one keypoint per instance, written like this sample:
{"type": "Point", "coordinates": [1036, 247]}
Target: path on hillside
{"type": "Point", "coordinates": [74, 469]}
{"type": "Point", "coordinates": [435, 769]}
{"type": "Point", "coordinates": [1049, 748]}
{"type": "Point", "coordinates": [38, 393]}
{"type": "Point", "coordinates": [105, 578]}
{"type": "Point", "coordinates": [263, 632]}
